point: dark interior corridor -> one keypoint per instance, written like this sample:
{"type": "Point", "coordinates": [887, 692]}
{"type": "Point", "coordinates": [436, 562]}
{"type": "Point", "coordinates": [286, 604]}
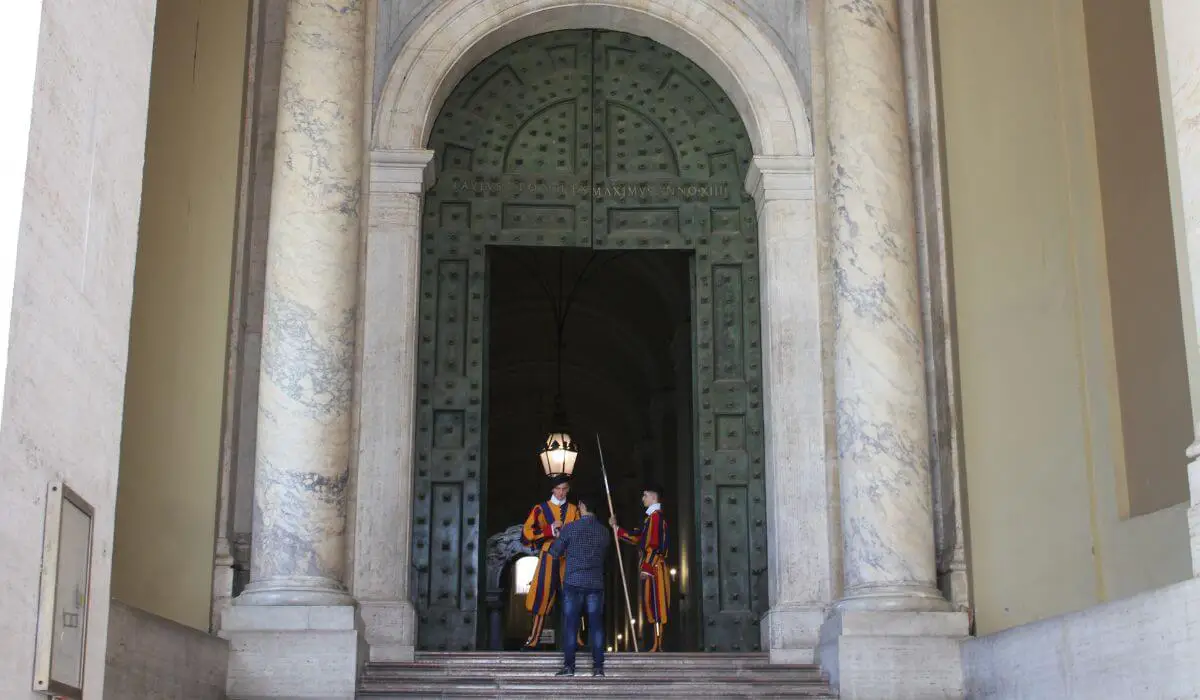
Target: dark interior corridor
{"type": "Point", "coordinates": [626, 375]}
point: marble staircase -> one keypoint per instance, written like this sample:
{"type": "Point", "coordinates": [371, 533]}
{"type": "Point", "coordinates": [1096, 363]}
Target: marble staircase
{"type": "Point", "coordinates": [531, 675]}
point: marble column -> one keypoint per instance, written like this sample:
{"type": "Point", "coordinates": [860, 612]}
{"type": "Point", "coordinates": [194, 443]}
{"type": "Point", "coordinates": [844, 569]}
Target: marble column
{"type": "Point", "coordinates": [295, 631]}
{"type": "Point", "coordinates": [1177, 32]}
{"type": "Point", "coordinates": [891, 634]}
{"type": "Point", "coordinates": [302, 463]}
{"type": "Point", "coordinates": [383, 504]}
{"type": "Point", "coordinates": [879, 377]}
{"type": "Point", "coordinates": [795, 407]}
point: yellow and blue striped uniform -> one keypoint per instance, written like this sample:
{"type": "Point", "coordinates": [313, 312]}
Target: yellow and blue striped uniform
{"type": "Point", "coordinates": [653, 541]}
{"type": "Point", "coordinates": [548, 578]}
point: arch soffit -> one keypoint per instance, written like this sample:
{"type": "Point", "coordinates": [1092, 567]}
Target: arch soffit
{"type": "Point", "coordinates": [720, 38]}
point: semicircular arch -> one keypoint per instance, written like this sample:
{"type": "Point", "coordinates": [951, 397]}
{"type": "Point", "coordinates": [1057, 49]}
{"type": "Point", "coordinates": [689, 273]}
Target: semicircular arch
{"type": "Point", "coordinates": [719, 37]}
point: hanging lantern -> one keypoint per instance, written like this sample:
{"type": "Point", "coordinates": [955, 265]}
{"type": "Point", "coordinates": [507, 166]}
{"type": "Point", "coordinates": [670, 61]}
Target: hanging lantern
{"type": "Point", "coordinates": [559, 452]}
{"type": "Point", "coordinates": [558, 455]}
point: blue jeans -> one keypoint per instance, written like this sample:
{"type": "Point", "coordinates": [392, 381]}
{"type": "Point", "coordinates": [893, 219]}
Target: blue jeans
{"type": "Point", "coordinates": [574, 600]}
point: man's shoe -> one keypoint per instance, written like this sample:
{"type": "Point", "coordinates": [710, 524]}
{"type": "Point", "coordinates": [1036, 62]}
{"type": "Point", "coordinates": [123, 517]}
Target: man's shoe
{"type": "Point", "coordinates": [566, 672]}
{"type": "Point", "coordinates": [528, 648]}
{"type": "Point", "coordinates": [597, 672]}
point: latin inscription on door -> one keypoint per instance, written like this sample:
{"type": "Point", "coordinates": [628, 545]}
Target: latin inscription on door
{"type": "Point", "coordinates": [604, 140]}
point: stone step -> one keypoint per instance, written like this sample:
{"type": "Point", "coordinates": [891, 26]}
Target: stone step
{"type": "Point", "coordinates": [668, 655]}
{"type": "Point", "coordinates": [617, 663]}
{"type": "Point", "coordinates": [588, 687]}
{"type": "Point", "coordinates": [663, 660]}
{"type": "Point", "coordinates": [508, 674]}
{"type": "Point", "coordinates": [641, 674]}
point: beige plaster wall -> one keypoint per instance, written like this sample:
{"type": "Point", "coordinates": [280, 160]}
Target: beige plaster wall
{"type": "Point", "coordinates": [70, 181]}
{"type": "Point", "coordinates": [170, 446]}
{"type": "Point", "coordinates": [1042, 424]}
{"type": "Point", "coordinates": [1147, 320]}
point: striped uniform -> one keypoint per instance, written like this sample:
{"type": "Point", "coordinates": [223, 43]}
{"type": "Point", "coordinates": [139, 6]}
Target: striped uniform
{"type": "Point", "coordinates": [549, 575]}
{"type": "Point", "coordinates": [653, 542]}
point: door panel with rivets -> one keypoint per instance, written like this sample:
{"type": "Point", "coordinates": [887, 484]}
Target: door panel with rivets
{"type": "Point", "coordinates": [593, 139]}
{"type": "Point", "coordinates": [670, 157]}
{"type": "Point", "coordinates": [513, 149]}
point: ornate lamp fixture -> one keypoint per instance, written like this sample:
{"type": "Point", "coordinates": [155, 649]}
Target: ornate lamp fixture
{"type": "Point", "coordinates": [559, 453]}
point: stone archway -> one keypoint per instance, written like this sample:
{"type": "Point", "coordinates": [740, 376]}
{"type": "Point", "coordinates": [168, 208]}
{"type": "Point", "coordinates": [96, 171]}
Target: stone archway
{"type": "Point", "coordinates": [843, 342]}
{"type": "Point", "coordinates": [742, 59]}
{"type": "Point", "coordinates": [604, 141]}
{"type": "Point", "coordinates": [717, 36]}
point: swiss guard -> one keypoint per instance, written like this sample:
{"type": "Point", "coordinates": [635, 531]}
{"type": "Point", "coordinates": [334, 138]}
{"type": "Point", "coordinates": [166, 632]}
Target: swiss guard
{"type": "Point", "coordinates": [653, 543]}
{"type": "Point", "coordinates": [541, 527]}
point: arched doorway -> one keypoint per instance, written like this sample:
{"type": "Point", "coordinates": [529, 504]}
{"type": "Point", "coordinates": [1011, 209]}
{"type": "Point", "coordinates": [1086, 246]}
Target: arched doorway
{"type": "Point", "coordinates": [590, 140]}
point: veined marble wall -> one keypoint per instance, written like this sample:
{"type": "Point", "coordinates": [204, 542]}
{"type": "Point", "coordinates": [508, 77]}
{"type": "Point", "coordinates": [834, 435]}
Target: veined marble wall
{"type": "Point", "coordinates": [775, 71]}
{"type": "Point", "coordinates": [76, 200]}
{"type": "Point", "coordinates": [791, 27]}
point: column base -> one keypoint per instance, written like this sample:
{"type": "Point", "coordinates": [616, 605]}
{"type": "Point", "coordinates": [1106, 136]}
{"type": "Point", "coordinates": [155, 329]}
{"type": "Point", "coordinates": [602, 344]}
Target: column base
{"type": "Point", "coordinates": [792, 631]}
{"type": "Point", "coordinates": [223, 577]}
{"type": "Point", "coordinates": [390, 629]}
{"type": "Point", "coordinates": [889, 654]}
{"type": "Point", "coordinates": [294, 652]}
{"type": "Point", "coordinates": [295, 590]}
{"type": "Point", "coordinates": [894, 597]}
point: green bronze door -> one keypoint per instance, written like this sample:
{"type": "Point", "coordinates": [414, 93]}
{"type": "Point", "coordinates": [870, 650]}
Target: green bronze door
{"type": "Point", "coordinates": [605, 140]}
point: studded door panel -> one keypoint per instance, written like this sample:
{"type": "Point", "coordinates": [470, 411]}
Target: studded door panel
{"type": "Point", "coordinates": [606, 140]}
{"type": "Point", "coordinates": [670, 160]}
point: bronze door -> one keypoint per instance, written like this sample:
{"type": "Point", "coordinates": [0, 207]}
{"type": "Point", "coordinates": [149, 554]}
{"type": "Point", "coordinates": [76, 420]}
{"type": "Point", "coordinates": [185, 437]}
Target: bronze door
{"type": "Point", "coordinates": [589, 138]}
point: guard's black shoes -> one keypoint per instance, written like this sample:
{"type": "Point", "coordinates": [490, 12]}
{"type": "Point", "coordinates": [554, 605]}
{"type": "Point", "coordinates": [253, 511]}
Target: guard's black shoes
{"type": "Point", "coordinates": [597, 672]}
{"type": "Point", "coordinates": [566, 672]}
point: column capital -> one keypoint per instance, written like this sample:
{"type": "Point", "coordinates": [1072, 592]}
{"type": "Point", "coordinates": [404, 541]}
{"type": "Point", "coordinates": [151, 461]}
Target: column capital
{"type": "Point", "coordinates": [411, 170]}
{"type": "Point", "coordinates": [772, 178]}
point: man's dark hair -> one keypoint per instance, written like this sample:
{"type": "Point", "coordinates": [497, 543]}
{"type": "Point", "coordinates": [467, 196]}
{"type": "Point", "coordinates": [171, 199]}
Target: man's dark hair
{"type": "Point", "coordinates": [655, 488]}
{"type": "Point", "coordinates": [592, 502]}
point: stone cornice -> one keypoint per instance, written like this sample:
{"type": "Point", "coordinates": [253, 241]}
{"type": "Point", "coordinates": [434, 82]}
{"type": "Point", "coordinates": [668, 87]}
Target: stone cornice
{"type": "Point", "coordinates": [409, 171]}
{"type": "Point", "coordinates": [772, 178]}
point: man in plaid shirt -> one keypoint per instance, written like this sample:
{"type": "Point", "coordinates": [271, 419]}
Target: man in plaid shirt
{"type": "Point", "coordinates": [585, 543]}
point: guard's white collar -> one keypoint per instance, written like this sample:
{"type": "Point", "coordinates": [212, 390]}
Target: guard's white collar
{"type": "Point", "coordinates": [653, 508]}
{"type": "Point", "coordinates": [557, 501]}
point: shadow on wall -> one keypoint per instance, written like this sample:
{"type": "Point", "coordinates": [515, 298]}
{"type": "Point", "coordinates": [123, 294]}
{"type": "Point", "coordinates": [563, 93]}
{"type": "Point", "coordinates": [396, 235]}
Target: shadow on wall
{"type": "Point", "coordinates": [152, 658]}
